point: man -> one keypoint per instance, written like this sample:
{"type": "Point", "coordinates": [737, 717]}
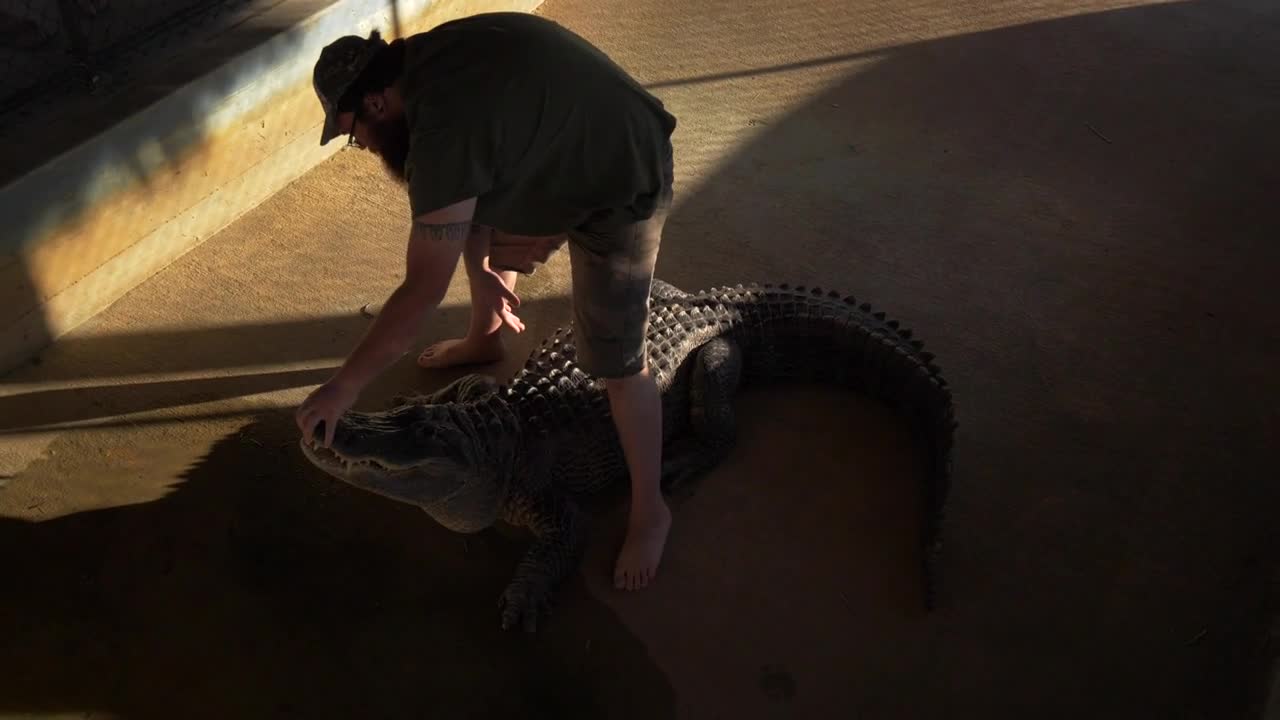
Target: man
{"type": "Point", "coordinates": [514, 136]}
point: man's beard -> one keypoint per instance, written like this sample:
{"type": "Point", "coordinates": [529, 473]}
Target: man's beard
{"type": "Point", "coordinates": [392, 140]}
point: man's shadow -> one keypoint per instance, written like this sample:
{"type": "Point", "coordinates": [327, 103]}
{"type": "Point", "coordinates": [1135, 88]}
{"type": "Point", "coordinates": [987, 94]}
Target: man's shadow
{"type": "Point", "coordinates": [260, 587]}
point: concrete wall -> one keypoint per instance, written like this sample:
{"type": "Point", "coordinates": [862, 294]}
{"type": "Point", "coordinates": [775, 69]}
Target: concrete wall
{"type": "Point", "coordinates": [81, 229]}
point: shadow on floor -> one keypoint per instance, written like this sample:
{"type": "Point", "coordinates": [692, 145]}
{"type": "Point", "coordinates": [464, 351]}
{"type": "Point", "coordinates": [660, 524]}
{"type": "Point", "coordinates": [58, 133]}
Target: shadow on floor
{"type": "Point", "coordinates": [1078, 216]}
{"type": "Point", "coordinates": [260, 588]}
{"type": "Point", "coordinates": [220, 357]}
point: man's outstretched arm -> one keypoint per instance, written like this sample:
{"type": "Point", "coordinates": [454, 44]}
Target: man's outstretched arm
{"type": "Point", "coordinates": [435, 244]}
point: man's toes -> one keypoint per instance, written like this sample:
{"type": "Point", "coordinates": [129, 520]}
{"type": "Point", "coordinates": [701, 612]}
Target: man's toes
{"type": "Point", "coordinates": [626, 580]}
{"type": "Point", "coordinates": [633, 579]}
{"type": "Point", "coordinates": [432, 357]}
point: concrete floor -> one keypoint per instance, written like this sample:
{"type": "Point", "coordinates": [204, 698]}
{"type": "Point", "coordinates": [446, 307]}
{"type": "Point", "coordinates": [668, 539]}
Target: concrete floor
{"type": "Point", "coordinates": [1073, 203]}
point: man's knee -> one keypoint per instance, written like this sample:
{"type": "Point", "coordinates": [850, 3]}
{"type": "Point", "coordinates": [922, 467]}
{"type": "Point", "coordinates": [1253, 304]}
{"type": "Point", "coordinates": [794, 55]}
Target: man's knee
{"type": "Point", "coordinates": [617, 360]}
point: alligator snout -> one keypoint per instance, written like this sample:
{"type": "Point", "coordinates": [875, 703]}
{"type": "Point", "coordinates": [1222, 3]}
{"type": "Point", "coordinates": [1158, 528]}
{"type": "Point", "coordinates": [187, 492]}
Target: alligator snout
{"type": "Point", "coordinates": [321, 431]}
{"type": "Point", "coordinates": [342, 437]}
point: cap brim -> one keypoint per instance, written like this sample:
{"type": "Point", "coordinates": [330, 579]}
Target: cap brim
{"type": "Point", "coordinates": [330, 130]}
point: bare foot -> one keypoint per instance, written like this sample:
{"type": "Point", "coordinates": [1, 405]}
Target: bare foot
{"type": "Point", "coordinates": [637, 562]}
{"type": "Point", "coordinates": [463, 351]}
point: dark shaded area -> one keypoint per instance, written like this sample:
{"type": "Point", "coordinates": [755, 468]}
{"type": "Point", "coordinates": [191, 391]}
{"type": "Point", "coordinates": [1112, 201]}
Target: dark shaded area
{"type": "Point", "coordinates": [139, 73]}
{"type": "Point", "coordinates": [62, 46]}
{"type": "Point", "coordinates": [261, 588]}
{"type": "Point", "coordinates": [35, 331]}
{"type": "Point", "coordinates": [1106, 314]}
{"type": "Point", "coordinates": [761, 71]}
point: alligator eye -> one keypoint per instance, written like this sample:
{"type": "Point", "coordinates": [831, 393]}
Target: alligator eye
{"type": "Point", "coordinates": [426, 433]}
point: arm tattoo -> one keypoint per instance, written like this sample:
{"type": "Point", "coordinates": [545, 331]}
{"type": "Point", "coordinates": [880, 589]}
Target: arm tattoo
{"type": "Point", "coordinates": [453, 232]}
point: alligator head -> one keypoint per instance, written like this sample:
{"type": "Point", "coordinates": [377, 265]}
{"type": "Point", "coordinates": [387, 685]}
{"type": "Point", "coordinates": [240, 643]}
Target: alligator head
{"type": "Point", "coordinates": [426, 454]}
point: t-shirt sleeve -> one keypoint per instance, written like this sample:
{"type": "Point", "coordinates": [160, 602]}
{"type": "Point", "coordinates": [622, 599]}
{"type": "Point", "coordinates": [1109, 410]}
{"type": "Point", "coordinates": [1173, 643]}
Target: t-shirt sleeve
{"type": "Point", "coordinates": [448, 163]}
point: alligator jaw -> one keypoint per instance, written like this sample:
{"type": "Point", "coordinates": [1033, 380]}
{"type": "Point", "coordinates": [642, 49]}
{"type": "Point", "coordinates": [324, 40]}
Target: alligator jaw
{"type": "Point", "coordinates": [339, 465]}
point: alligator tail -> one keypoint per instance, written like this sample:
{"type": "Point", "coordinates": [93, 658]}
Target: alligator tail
{"type": "Point", "coordinates": [809, 334]}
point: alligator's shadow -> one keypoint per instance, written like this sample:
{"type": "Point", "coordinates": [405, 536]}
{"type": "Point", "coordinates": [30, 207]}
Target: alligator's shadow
{"type": "Point", "coordinates": [259, 587]}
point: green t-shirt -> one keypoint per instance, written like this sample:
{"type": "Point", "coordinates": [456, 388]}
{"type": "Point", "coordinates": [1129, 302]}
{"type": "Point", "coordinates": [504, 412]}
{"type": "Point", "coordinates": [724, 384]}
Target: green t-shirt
{"type": "Point", "coordinates": [543, 127]}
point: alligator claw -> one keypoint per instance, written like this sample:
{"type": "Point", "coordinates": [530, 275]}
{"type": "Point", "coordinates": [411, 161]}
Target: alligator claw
{"type": "Point", "coordinates": [523, 606]}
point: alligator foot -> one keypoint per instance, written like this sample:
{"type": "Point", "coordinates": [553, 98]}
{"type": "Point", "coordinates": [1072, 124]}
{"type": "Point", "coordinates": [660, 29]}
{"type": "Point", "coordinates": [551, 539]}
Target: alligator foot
{"type": "Point", "coordinates": [560, 540]}
{"type": "Point", "coordinates": [716, 374]}
{"type": "Point", "coordinates": [523, 604]}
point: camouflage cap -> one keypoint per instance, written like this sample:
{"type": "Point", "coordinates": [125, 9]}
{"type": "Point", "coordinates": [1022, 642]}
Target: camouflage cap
{"type": "Point", "coordinates": [340, 64]}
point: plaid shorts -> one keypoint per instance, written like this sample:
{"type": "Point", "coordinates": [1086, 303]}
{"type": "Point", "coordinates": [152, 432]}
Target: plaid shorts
{"type": "Point", "coordinates": [612, 267]}
{"type": "Point", "coordinates": [612, 274]}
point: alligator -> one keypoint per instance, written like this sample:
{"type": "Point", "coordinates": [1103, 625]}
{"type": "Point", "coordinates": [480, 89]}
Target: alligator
{"type": "Point", "coordinates": [533, 451]}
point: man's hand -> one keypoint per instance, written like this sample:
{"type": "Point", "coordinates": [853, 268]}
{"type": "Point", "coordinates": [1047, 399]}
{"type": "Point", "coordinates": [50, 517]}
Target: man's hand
{"type": "Point", "coordinates": [325, 404]}
{"type": "Point", "coordinates": [493, 294]}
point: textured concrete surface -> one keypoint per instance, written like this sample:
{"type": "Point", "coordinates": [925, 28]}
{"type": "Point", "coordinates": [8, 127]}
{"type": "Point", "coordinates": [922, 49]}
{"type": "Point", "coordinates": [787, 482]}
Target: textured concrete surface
{"type": "Point", "coordinates": [1073, 203]}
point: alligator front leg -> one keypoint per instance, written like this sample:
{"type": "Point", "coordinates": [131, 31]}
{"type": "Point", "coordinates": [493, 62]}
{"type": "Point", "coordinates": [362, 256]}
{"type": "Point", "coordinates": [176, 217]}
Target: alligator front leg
{"type": "Point", "coordinates": [559, 530]}
{"type": "Point", "coordinates": [716, 374]}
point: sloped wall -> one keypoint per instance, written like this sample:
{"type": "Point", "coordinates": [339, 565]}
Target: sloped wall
{"type": "Point", "coordinates": [88, 225]}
